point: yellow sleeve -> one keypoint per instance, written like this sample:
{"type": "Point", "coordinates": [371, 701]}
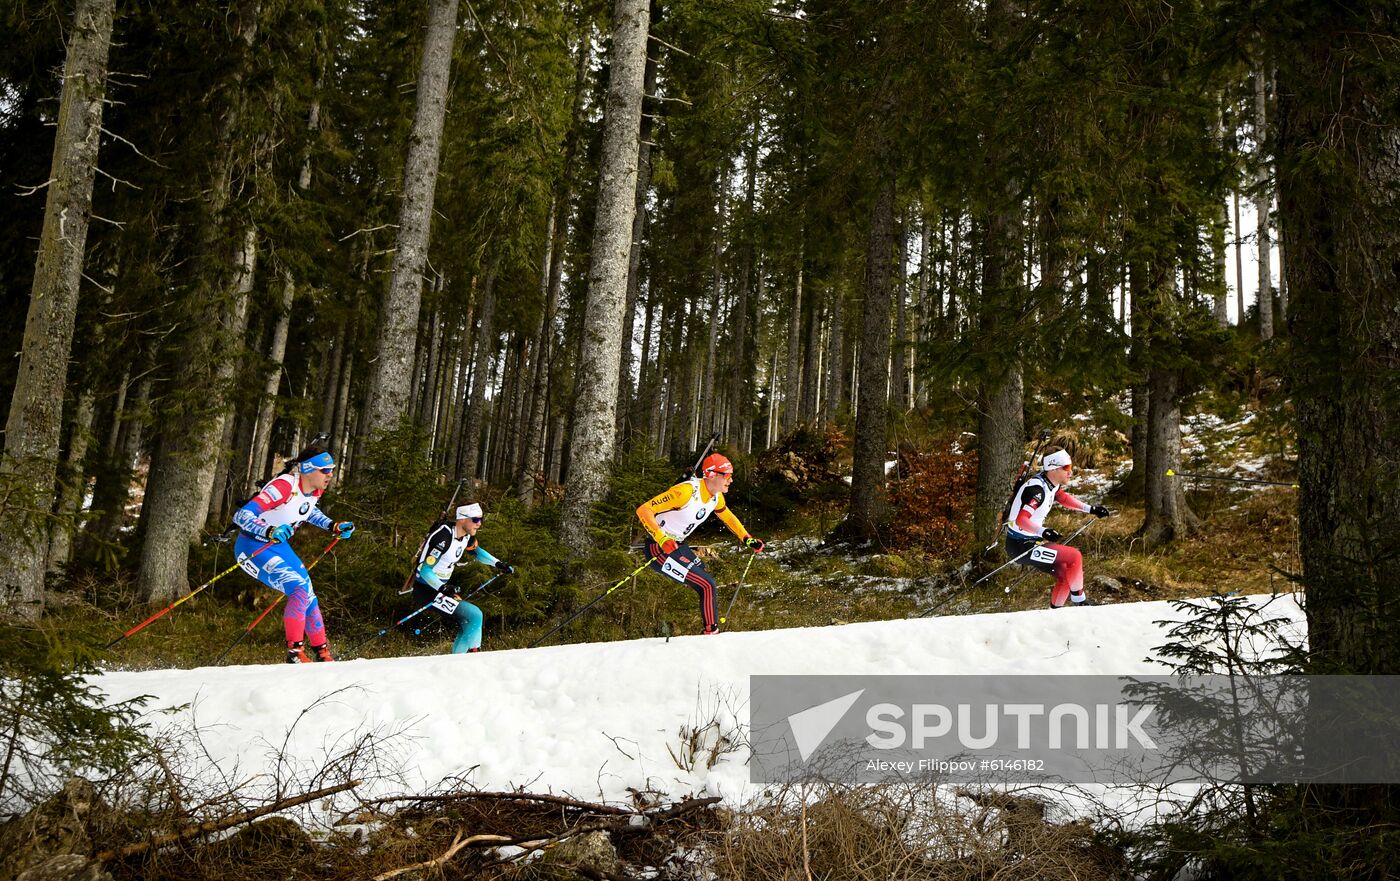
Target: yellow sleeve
{"type": "Point", "coordinates": [727, 516]}
{"type": "Point", "coordinates": [671, 499]}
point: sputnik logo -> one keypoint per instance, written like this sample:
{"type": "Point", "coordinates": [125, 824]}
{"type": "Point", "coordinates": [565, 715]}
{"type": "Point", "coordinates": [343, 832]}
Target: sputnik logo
{"type": "Point", "coordinates": [811, 726]}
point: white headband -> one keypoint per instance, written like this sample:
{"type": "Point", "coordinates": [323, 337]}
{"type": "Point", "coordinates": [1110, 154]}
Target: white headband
{"type": "Point", "coordinates": [1057, 459]}
{"type": "Point", "coordinates": [472, 510]}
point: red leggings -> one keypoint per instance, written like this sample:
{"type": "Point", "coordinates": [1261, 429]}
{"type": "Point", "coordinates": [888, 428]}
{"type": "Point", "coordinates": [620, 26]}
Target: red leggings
{"type": "Point", "coordinates": [1061, 561]}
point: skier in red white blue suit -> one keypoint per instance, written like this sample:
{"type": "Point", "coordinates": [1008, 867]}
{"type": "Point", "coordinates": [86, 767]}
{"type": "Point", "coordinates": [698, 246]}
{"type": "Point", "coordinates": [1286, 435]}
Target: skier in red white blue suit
{"type": "Point", "coordinates": [273, 515]}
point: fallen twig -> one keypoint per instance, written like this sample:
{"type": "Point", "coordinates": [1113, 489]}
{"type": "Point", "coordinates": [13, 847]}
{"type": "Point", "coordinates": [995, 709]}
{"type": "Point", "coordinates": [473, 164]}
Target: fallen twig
{"type": "Point", "coordinates": [219, 825]}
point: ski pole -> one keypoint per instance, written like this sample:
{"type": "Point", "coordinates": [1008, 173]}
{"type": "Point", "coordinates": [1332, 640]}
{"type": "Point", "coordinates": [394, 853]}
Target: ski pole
{"type": "Point", "coordinates": [593, 602]}
{"type": "Point", "coordinates": [280, 597]}
{"type": "Point", "coordinates": [415, 613]}
{"type": "Point", "coordinates": [1024, 575]}
{"type": "Point", "coordinates": [725, 617]}
{"type": "Point", "coordinates": [1015, 559]}
{"type": "Point", "coordinates": [168, 608]}
{"type": "Point", "coordinates": [482, 586]}
{"type": "Point", "coordinates": [1171, 473]}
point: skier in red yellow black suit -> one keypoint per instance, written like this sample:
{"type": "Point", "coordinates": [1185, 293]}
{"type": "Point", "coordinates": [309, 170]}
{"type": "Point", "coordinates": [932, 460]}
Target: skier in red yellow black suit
{"type": "Point", "coordinates": [672, 516]}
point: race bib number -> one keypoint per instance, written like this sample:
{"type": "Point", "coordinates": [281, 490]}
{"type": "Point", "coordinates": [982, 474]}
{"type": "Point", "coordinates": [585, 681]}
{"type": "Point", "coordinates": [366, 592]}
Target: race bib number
{"type": "Point", "coordinates": [249, 566]}
{"type": "Point", "coordinates": [675, 570]}
{"type": "Point", "coordinates": [445, 604]}
{"type": "Point", "coordinates": [1043, 554]}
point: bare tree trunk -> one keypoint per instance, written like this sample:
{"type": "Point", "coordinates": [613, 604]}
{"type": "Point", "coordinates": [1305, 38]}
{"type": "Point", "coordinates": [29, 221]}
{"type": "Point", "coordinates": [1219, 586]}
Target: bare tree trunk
{"type": "Point", "coordinates": [712, 314]}
{"type": "Point", "coordinates": [836, 339]}
{"type": "Point", "coordinates": [70, 488]}
{"type": "Point", "coordinates": [113, 488]}
{"type": "Point", "coordinates": [267, 408]}
{"type": "Point", "coordinates": [899, 381]}
{"type": "Point", "coordinates": [811, 361]}
{"type": "Point", "coordinates": [1239, 262]}
{"type": "Point", "coordinates": [595, 404]}
{"type": "Point", "coordinates": [1000, 422]}
{"type": "Point", "coordinates": [792, 386]}
{"type": "Point", "coordinates": [929, 305]}
{"type": "Point", "coordinates": [634, 260]}
{"type": "Point", "coordinates": [178, 492]}
{"type": "Point", "coordinates": [485, 343]}
{"type": "Point", "coordinates": [1263, 200]}
{"type": "Point", "coordinates": [867, 511]}
{"type": "Point", "coordinates": [217, 494]}
{"type": "Point", "coordinates": [390, 380]}
{"type": "Point", "coordinates": [36, 408]}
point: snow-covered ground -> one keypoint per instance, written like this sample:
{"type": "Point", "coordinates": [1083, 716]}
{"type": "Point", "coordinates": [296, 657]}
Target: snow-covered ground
{"type": "Point", "coordinates": [594, 720]}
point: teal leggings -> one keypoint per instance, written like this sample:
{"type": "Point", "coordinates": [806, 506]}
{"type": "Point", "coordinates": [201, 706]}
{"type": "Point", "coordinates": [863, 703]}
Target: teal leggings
{"type": "Point", "coordinates": [467, 618]}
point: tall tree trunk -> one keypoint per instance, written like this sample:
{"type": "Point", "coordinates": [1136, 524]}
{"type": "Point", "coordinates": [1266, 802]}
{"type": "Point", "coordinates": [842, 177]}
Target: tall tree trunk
{"type": "Point", "coordinates": [70, 488]}
{"type": "Point", "coordinates": [1000, 420]}
{"type": "Point", "coordinates": [1239, 262]}
{"type": "Point", "coordinates": [929, 305]}
{"type": "Point", "coordinates": [836, 339]}
{"type": "Point", "coordinates": [712, 313]}
{"type": "Point", "coordinates": [792, 385]}
{"type": "Point", "coordinates": [390, 381]}
{"type": "Point", "coordinates": [113, 489]}
{"type": "Point", "coordinates": [1139, 395]}
{"type": "Point", "coordinates": [217, 494]}
{"type": "Point", "coordinates": [899, 380]}
{"type": "Point", "coordinates": [740, 396]}
{"type": "Point", "coordinates": [1263, 200]}
{"type": "Point", "coordinates": [1339, 188]}
{"type": "Point", "coordinates": [212, 314]}
{"type": "Point", "coordinates": [867, 510]}
{"type": "Point", "coordinates": [34, 423]}
{"type": "Point", "coordinates": [811, 360]}
{"type": "Point", "coordinates": [485, 343]}
{"type": "Point", "coordinates": [178, 491]}
{"type": "Point", "coordinates": [634, 260]}
{"type": "Point", "coordinates": [529, 478]}
{"type": "Point", "coordinates": [272, 382]}
{"type": "Point", "coordinates": [595, 404]}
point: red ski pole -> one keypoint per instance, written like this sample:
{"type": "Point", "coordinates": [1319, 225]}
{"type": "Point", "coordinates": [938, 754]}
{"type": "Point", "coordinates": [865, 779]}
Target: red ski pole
{"type": "Point", "coordinates": [168, 608]}
{"type": "Point", "coordinates": [280, 597]}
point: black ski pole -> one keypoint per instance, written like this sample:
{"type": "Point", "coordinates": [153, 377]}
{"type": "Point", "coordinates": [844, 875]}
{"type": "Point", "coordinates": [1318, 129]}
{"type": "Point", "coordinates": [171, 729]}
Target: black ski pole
{"type": "Point", "coordinates": [738, 587]}
{"type": "Point", "coordinates": [1171, 473]}
{"type": "Point", "coordinates": [591, 603]}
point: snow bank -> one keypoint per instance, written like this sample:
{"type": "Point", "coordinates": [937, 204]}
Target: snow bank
{"type": "Point", "coordinates": [593, 720]}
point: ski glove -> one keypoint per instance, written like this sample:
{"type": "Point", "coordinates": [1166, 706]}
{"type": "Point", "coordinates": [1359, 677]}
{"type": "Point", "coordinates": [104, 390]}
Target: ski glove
{"type": "Point", "coordinates": [1051, 535]}
{"type": "Point", "coordinates": [756, 544]}
{"type": "Point", "coordinates": [505, 567]}
{"type": "Point", "coordinates": [345, 528]}
{"type": "Point", "coordinates": [281, 532]}
{"type": "Point", "coordinates": [1099, 511]}
{"type": "Point", "coordinates": [668, 547]}
{"type": "Point", "coordinates": [450, 590]}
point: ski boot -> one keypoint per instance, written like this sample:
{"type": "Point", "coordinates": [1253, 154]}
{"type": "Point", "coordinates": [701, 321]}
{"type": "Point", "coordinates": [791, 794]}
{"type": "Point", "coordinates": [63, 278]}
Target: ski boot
{"type": "Point", "coordinates": [296, 653]}
{"type": "Point", "coordinates": [322, 652]}
{"type": "Point", "coordinates": [1085, 601]}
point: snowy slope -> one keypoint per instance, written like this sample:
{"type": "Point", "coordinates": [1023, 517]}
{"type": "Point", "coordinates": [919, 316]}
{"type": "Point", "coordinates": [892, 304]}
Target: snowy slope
{"type": "Point", "coordinates": [593, 720]}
